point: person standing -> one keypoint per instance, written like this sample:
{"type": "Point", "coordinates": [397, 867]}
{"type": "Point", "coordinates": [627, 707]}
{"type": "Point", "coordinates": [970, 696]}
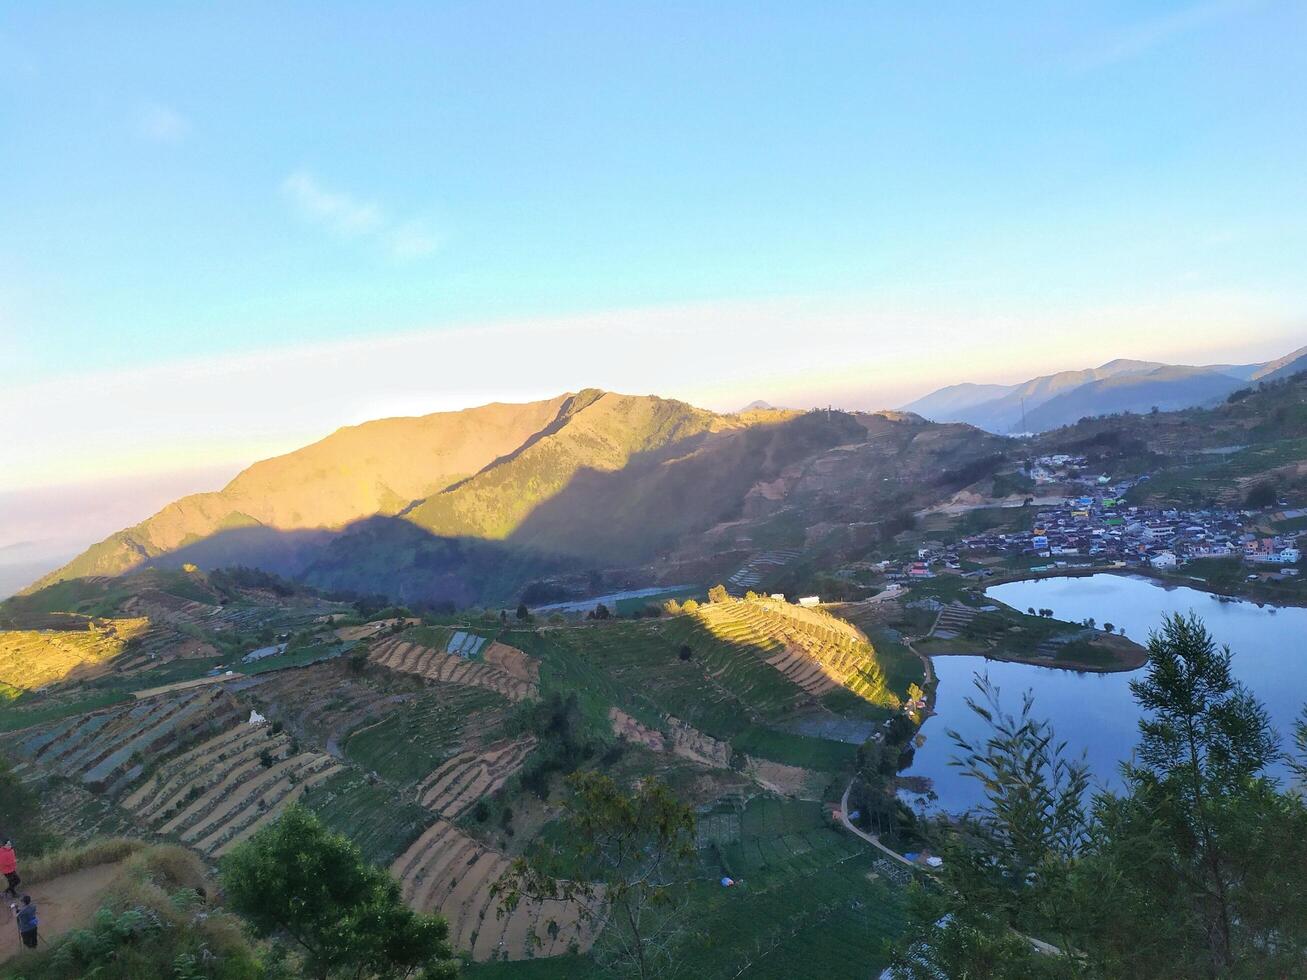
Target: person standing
{"type": "Point", "coordinates": [27, 922]}
{"type": "Point", "coordinates": [9, 868]}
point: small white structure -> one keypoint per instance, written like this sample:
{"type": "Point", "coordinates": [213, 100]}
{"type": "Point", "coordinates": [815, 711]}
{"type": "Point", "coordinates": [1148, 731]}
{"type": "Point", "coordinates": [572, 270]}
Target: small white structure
{"type": "Point", "coordinates": [778, 596]}
{"type": "Point", "coordinates": [256, 718]}
{"type": "Point", "coordinates": [1163, 559]}
{"type": "Point", "coordinates": [810, 600]}
{"type": "Point", "coordinates": [1285, 556]}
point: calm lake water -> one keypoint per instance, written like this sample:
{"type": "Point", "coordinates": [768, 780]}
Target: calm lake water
{"type": "Point", "coordinates": [1096, 712]}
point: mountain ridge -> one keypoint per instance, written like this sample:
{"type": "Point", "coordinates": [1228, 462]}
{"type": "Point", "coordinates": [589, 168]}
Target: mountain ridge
{"type": "Point", "coordinates": [475, 504]}
{"type": "Point", "coordinates": [1053, 400]}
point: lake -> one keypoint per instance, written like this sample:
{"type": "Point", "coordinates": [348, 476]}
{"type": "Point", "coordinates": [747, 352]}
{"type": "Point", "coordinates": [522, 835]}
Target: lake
{"type": "Point", "coordinates": [1096, 712]}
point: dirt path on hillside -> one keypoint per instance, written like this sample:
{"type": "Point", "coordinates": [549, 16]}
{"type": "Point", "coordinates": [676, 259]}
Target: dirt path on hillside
{"type": "Point", "coordinates": [63, 903]}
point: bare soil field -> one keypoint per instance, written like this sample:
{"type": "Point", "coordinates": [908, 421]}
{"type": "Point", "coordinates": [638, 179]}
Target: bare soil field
{"type": "Point", "coordinates": [366, 630]}
{"type": "Point", "coordinates": [448, 872]}
{"type": "Point", "coordinates": [461, 780]}
{"type": "Point", "coordinates": [513, 662]}
{"type": "Point", "coordinates": [414, 658]}
{"type": "Point", "coordinates": [803, 784]}
{"type": "Point", "coordinates": [681, 739]}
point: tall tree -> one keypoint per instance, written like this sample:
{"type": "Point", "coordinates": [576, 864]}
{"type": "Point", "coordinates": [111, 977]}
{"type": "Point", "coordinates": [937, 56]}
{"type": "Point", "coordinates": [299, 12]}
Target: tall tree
{"type": "Point", "coordinates": [624, 857]}
{"type": "Point", "coordinates": [1007, 864]}
{"type": "Point", "coordinates": [298, 879]}
{"type": "Point", "coordinates": [1184, 864]}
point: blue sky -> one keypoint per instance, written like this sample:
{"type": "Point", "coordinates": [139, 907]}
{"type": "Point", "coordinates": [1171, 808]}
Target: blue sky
{"type": "Point", "coordinates": [880, 197]}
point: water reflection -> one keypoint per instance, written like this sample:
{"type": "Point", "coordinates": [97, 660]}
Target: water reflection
{"type": "Point", "coordinates": [1095, 712]}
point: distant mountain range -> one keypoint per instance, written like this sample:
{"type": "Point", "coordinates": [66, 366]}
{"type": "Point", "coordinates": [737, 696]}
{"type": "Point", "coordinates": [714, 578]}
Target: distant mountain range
{"type": "Point", "coordinates": [1064, 398]}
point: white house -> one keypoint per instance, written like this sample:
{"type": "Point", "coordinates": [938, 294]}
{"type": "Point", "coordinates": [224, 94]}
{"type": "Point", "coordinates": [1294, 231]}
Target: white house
{"type": "Point", "coordinates": [1163, 559]}
{"type": "Point", "coordinates": [810, 600]}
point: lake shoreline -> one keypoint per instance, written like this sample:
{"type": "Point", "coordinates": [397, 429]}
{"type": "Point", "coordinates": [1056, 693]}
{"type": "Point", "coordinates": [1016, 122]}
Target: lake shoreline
{"type": "Point", "coordinates": [1169, 581]}
{"type": "Point", "coordinates": [1095, 711]}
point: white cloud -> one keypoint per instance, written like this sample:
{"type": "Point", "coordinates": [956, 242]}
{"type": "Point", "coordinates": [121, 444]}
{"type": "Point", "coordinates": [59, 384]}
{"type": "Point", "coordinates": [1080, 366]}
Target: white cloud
{"type": "Point", "coordinates": [1148, 34]}
{"type": "Point", "coordinates": [338, 211]}
{"type": "Point", "coordinates": [350, 217]}
{"type": "Point", "coordinates": [411, 240]}
{"type": "Point", "coordinates": [161, 124]}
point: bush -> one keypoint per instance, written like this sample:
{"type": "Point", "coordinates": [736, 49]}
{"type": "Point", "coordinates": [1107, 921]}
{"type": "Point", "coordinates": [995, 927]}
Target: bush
{"type": "Point", "coordinates": [155, 922]}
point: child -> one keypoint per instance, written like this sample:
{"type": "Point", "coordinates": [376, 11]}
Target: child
{"type": "Point", "coordinates": [27, 922]}
{"type": "Point", "coordinates": [9, 868]}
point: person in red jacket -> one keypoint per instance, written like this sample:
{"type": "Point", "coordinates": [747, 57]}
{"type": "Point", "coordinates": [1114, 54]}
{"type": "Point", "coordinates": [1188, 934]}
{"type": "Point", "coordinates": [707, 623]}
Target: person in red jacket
{"type": "Point", "coordinates": [9, 868]}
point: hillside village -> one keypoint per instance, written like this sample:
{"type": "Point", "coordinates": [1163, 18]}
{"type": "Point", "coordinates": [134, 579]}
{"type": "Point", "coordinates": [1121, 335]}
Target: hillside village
{"type": "Point", "coordinates": [1095, 526]}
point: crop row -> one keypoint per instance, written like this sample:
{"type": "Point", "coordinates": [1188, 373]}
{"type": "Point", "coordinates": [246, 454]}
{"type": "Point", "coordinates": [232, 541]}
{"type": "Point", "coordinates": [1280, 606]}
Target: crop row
{"type": "Point", "coordinates": [106, 750]}
{"type": "Point", "coordinates": [416, 737]}
{"type": "Point", "coordinates": [222, 791]}
{"type": "Point", "coordinates": [447, 871]}
{"type": "Point", "coordinates": [413, 658]}
{"type": "Point", "coordinates": [815, 651]}
{"type": "Point", "coordinates": [461, 780]}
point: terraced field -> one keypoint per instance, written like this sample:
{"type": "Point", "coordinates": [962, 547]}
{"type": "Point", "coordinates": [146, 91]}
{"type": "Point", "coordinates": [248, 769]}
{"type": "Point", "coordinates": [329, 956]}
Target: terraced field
{"type": "Point", "coordinates": [30, 659]}
{"type": "Point", "coordinates": [164, 607]}
{"type": "Point", "coordinates": [724, 690]}
{"type": "Point", "coordinates": [447, 871]}
{"type": "Point", "coordinates": [415, 658]}
{"type": "Point", "coordinates": [217, 794]}
{"type": "Point", "coordinates": [327, 701]}
{"type": "Point", "coordinates": [421, 734]}
{"type": "Point", "coordinates": [678, 739]}
{"type": "Point", "coordinates": [816, 651]}
{"type": "Point", "coordinates": [106, 750]}
{"type": "Point", "coordinates": [382, 821]}
{"type": "Point", "coordinates": [212, 780]}
{"type": "Point", "coordinates": [453, 788]}
{"type": "Point", "coordinates": [804, 904]}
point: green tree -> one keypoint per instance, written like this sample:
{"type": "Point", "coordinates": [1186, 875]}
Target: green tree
{"type": "Point", "coordinates": [1262, 495]}
{"type": "Point", "coordinates": [1202, 839]}
{"type": "Point", "coordinates": [1007, 864]}
{"type": "Point", "coordinates": [298, 879]}
{"type": "Point", "coordinates": [523, 613]}
{"type": "Point", "coordinates": [633, 850]}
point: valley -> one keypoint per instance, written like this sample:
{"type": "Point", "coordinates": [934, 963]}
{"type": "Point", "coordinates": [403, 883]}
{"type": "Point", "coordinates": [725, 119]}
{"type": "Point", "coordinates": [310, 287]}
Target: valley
{"type": "Point", "coordinates": [757, 610]}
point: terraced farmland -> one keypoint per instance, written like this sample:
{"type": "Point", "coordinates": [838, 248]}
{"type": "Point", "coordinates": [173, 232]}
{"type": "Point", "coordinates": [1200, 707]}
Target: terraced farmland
{"type": "Point", "coordinates": [382, 821]}
{"type": "Point", "coordinates": [725, 690]}
{"type": "Point", "coordinates": [447, 871]}
{"type": "Point", "coordinates": [418, 736]}
{"type": "Point", "coordinates": [461, 780]}
{"type": "Point", "coordinates": [816, 651]}
{"type": "Point", "coordinates": [415, 658]}
{"type": "Point", "coordinates": [106, 750]}
{"type": "Point", "coordinates": [217, 794]}
{"type": "Point", "coordinates": [798, 881]}
{"type": "Point", "coordinates": [30, 659]}
{"type": "Point", "coordinates": [678, 739]}
{"type": "Point", "coordinates": [326, 701]}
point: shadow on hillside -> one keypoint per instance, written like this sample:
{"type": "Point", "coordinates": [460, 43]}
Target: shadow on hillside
{"type": "Point", "coordinates": [598, 518]}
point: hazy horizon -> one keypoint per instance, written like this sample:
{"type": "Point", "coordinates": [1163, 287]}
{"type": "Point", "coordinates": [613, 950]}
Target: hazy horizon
{"type": "Point", "coordinates": [221, 244]}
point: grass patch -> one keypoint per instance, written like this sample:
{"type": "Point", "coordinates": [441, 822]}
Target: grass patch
{"type": "Point", "coordinates": [791, 749]}
{"type": "Point", "coordinates": [415, 738]}
{"type": "Point", "coordinates": [66, 860]}
{"type": "Point", "coordinates": [370, 813]}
